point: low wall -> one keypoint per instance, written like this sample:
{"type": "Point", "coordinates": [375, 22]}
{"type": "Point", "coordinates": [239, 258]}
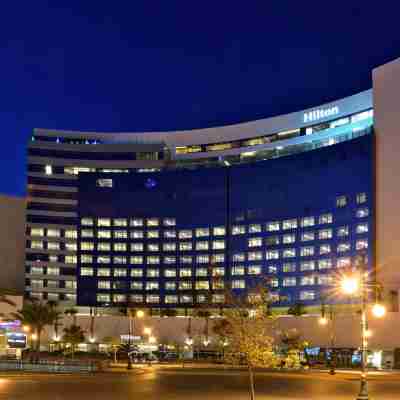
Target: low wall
{"type": "Point", "coordinates": [48, 366]}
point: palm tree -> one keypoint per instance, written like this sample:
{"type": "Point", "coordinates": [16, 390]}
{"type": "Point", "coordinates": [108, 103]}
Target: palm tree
{"type": "Point", "coordinates": [37, 314]}
{"type": "Point", "coordinates": [72, 313]}
{"type": "Point", "coordinates": [73, 335]}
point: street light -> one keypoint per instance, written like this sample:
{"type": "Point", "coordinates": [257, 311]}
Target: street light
{"type": "Point", "coordinates": [132, 316]}
{"type": "Point", "coordinates": [147, 330]}
{"type": "Point", "coordinates": [323, 321]}
{"type": "Point", "coordinates": [152, 339]}
{"type": "Point", "coordinates": [353, 285]}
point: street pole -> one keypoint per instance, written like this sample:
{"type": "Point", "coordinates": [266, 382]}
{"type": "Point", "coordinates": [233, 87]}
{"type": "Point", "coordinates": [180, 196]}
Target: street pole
{"type": "Point", "coordinates": [333, 354]}
{"type": "Point", "coordinates": [363, 394]}
{"type": "Point", "coordinates": [129, 366]}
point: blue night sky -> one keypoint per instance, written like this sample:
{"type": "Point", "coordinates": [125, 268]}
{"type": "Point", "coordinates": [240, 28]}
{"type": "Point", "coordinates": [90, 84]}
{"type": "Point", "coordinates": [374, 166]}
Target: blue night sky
{"type": "Point", "coordinates": [147, 65]}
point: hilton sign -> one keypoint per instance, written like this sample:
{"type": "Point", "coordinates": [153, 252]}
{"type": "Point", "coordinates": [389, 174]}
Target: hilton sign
{"type": "Point", "coordinates": [316, 115]}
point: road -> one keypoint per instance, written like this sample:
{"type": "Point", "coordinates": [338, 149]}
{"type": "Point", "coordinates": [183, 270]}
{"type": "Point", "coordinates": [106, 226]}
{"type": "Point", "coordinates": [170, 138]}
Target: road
{"type": "Point", "coordinates": [195, 384]}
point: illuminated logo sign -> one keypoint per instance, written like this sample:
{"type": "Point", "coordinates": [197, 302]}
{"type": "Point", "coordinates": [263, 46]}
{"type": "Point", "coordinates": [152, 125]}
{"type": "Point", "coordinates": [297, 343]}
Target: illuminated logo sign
{"type": "Point", "coordinates": [321, 113]}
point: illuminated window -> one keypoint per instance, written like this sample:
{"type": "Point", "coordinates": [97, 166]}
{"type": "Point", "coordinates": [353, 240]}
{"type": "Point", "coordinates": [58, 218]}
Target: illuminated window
{"type": "Point", "coordinates": [169, 222]}
{"type": "Point", "coordinates": [307, 280]}
{"type": "Point", "coordinates": [153, 247]}
{"type": "Point", "coordinates": [87, 246]}
{"type": "Point", "coordinates": [238, 284]}
{"type": "Point", "coordinates": [201, 272]}
{"type": "Point", "coordinates": [120, 247]}
{"type": "Point", "coordinates": [171, 299]}
{"type": "Point", "coordinates": [151, 285]}
{"type": "Point", "coordinates": [307, 251]}
{"type": "Point", "coordinates": [153, 234]}
{"type": "Point", "coordinates": [254, 228]}
{"type": "Point", "coordinates": [307, 295]}
{"type": "Point", "coordinates": [202, 232]}
{"type": "Point", "coordinates": [288, 267]}
{"type": "Point", "coordinates": [238, 230]}
{"type": "Point", "coordinates": [219, 231]}
{"type": "Point", "coordinates": [254, 242]}
{"type": "Point", "coordinates": [289, 281]}
{"type": "Point", "coordinates": [70, 246]}
{"type": "Point", "coordinates": [104, 183]}
{"type": "Point", "coordinates": [103, 298]}
{"type": "Point", "coordinates": [105, 272]}
{"type": "Point", "coordinates": [325, 264]}
{"type": "Point", "coordinates": [324, 249]}
{"type": "Point", "coordinates": [169, 247]}
{"type": "Point", "coordinates": [343, 262]}
{"type": "Point", "coordinates": [170, 234]}
{"type": "Point", "coordinates": [325, 280]}
{"type": "Point", "coordinates": [272, 255]}
{"type": "Point", "coordinates": [53, 232]}
{"type": "Point", "coordinates": [362, 228]}
{"type": "Point", "coordinates": [255, 255]}
{"type": "Point", "coordinates": [120, 234]}
{"type": "Point", "coordinates": [104, 234]}
{"type": "Point", "coordinates": [119, 298]}
{"type": "Point", "coordinates": [202, 285]}
{"type": "Point", "coordinates": [238, 257]}
{"type": "Point", "coordinates": [325, 219]}
{"type": "Point", "coordinates": [289, 224]}
{"type": "Point", "coordinates": [104, 222]}
{"type": "Point", "coordinates": [272, 269]}
{"type": "Point", "coordinates": [170, 285]}
{"type": "Point", "coordinates": [53, 271]}
{"type": "Point", "coordinates": [136, 222]}
{"type": "Point", "coordinates": [85, 271]}
{"type": "Point", "coordinates": [185, 273]}
{"type": "Point", "coordinates": [186, 298]}
{"type": "Point", "coordinates": [71, 234]}
{"type": "Point", "coordinates": [86, 258]}
{"type": "Point", "coordinates": [361, 198]}
{"type": "Point", "coordinates": [324, 234]}
{"type": "Point", "coordinates": [185, 234]}
{"type": "Point", "coordinates": [103, 260]}
{"type": "Point", "coordinates": [70, 259]}
{"type": "Point", "coordinates": [136, 246]}
{"type": "Point", "coordinates": [362, 212]}
{"type": "Point", "coordinates": [185, 285]}
{"type": "Point", "coordinates": [273, 226]}
{"type": "Point", "coordinates": [341, 201]}
{"type": "Point", "coordinates": [104, 285]}
{"type": "Point", "coordinates": [120, 222]}
{"type": "Point", "coordinates": [307, 266]}
{"type": "Point", "coordinates": [343, 231]}
{"type": "Point", "coordinates": [136, 298]}
{"type": "Point", "coordinates": [202, 246]}
{"type": "Point", "coordinates": [137, 285]}
{"type": "Point", "coordinates": [218, 258]}
{"type": "Point", "coordinates": [362, 244]}
{"type": "Point", "coordinates": [219, 271]}
{"type": "Point", "coordinates": [307, 221]}
{"type": "Point", "coordinates": [218, 298]}
{"type": "Point", "coordinates": [218, 244]}
{"type": "Point", "coordinates": [36, 244]}
{"type": "Point", "coordinates": [136, 260]}
{"type": "Point", "coordinates": [120, 272]}
{"type": "Point", "coordinates": [119, 260]}
{"type": "Point", "coordinates": [203, 259]}
{"type": "Point", "coordinates": [186, 259]}
{"type": "Point", "coordinates": [254, 270]}
{"type": "Point", "coordinates": [136, 235]}
{"type": "Point", "coordinates": [152, 260]}
{"type": "Point", "coordinates": [87, 221]}
{"type": "Point", "coordinates": [169, 260]}
{"type": "Point", "coordinates": [272, 240]}
{"type": "Point", "coordinates": [288, 238]}
{"type": "Point", "coordinates": [343, 247]}
{"type": "Point", "coordinates": [48, 169]}
{"type": "Point", "coordinates": [87, 233]}
{"type": "Point", "coordinates": [274, 282]}
{"type": "Point", "coordinates": [152, 222]}
{"type": "Point", "coordinates": [53, 258]}
{"type": "Point", "coordinates": [53, 246]}
{"type": "Point", "coordinates": [289, 253]}
{"type": "Point", "coordinates": [136, 273]}
{"type": "Point", "coordinates": [238, 270]}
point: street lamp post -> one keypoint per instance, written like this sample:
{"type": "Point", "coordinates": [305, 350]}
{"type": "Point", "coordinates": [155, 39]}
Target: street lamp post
{"type": "Point", "coordinates": [324, 321]}
{"type": "Point", "coordinates": [138, 314]}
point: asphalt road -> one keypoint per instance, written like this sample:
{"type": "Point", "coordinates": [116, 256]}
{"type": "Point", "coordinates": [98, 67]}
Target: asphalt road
{"type": "Point", "coordinates": [194, 384]}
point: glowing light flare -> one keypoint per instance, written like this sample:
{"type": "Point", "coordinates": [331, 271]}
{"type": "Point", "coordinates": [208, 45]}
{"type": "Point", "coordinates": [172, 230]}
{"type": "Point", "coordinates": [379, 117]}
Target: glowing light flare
{"type": "Point", "coordinates": [147, 331]}
{"type": "Point", "coordinates": [378, 310]}
{"type": "Point", "coordinates": [140, 314]}
{"type": "Point", "coordinates": [152, 339]}
{"type": "Point", "coordinates": [323, 321]}
{"type": "Point", "coordinates": [350, 285]}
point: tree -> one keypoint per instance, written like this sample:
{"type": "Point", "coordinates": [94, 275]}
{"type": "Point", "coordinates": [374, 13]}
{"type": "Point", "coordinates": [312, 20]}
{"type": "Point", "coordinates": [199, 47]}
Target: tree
{"type": "Point", "coordinates": [37, 315]}
{"type": "Point", "coordinates": [72, 313]}
{"type": "Point", "coordinates": [73, 335]}
{"type": "Point", "coordinates": [297, 309]}
{"type": "Point", "coordinates": [246, 329]}
{"type": "Point", "coordinates": [293, 344]}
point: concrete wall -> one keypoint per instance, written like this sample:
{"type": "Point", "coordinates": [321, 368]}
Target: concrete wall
{"type": "Point", "coordinates": [386, 89]}
{"type": "Point", "coordinates": [12, 243]}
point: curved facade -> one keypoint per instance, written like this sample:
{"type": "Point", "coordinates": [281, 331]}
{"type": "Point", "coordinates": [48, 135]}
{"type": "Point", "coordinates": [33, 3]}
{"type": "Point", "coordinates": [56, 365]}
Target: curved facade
{"type": "Point", "coordinates": [269, 185]}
